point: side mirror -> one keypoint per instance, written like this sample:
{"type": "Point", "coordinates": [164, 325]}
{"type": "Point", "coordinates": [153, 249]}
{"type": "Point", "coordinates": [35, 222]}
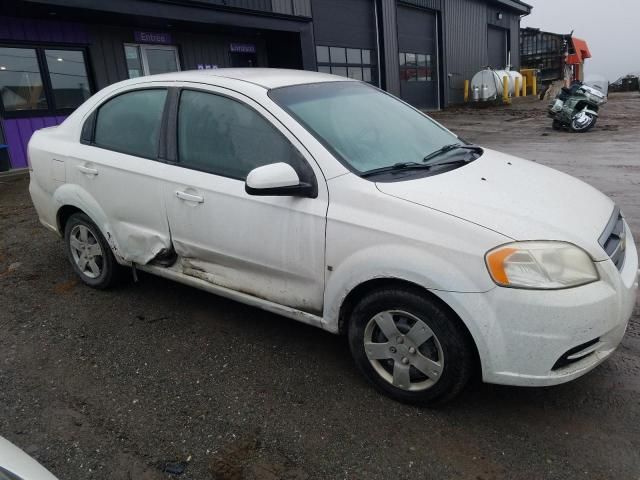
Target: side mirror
{"type": "Point", "coordinates": [277, 179]}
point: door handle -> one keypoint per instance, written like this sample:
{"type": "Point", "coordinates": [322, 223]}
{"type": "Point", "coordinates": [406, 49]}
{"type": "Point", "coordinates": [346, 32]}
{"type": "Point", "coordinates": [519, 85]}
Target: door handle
{"type": "Point", "coordinates": [87, 170]}
{"type": "Point", "coordinates": [189, 197]}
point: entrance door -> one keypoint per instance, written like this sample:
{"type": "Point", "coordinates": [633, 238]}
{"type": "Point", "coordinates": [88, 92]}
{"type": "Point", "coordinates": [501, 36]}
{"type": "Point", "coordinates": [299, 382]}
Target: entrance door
{"type": "Point", "coordinates": [417, 41]}
{"type": "Point", "coordinates": [497, 47]}
{"type": "Point", "coordinates": [151, 59]}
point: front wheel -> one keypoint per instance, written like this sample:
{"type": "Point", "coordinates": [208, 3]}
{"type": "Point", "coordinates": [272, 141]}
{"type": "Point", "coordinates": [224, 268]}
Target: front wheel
{"type": "Point", "coordinates": [410, 347]}
{"type": "Point", "coordinates": [583, 122]}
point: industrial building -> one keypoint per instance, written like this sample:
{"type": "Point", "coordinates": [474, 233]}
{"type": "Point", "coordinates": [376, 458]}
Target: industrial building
{"type": "Point", "coordinates": [55, 53]}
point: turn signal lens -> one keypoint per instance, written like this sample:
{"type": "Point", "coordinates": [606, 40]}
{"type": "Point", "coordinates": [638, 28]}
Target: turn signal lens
{"type": "Point", "coordinates": [541, 265]}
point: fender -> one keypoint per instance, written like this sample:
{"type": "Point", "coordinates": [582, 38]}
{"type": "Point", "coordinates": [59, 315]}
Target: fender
{"type": "Point", "coordinates": [76, 196]}
{"type": "Point", "coordinates": [588, 110]}
{"type": "Point", "coordinates": [394, 262]}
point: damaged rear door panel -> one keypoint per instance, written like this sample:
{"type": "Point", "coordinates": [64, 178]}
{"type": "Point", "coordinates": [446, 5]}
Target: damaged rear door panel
{"type": "Point", "coordinates": [116, 164]}
{"type": "Point", "coordinates": [268, 247]}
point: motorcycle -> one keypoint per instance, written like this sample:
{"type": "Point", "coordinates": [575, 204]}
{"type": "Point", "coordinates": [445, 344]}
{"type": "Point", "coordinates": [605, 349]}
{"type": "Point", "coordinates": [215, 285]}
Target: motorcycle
{"type": "Point", "coordinates": [576, 107]}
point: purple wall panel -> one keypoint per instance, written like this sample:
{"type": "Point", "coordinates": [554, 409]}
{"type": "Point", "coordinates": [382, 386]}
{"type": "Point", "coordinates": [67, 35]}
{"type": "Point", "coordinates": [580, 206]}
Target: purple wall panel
{"type": "Point", "coordinates": [18, 132]}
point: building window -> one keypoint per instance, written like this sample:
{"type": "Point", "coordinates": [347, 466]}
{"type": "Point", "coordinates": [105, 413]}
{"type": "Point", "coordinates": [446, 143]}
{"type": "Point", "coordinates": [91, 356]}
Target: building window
{"type": "Point", "coordinates": [21, 81]}
{"type": "Point", "coordinates": [416, 67]}
{"type": "Point", "coordinates": [42, 81]}
{"type": "Point", "coordinates": [353, 63]}
{"type": "Point", "coordinates": [69, 79]}
{"type": "Point", "coordinates": [150, 59]}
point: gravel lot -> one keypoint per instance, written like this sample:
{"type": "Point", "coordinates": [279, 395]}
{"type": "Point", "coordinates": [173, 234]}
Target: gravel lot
{"type": "Point", "coordinates": [113, 385]}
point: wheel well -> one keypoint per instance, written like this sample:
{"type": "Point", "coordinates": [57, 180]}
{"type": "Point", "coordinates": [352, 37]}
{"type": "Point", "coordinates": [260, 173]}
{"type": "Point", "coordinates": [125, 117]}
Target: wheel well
{"type": "Point", "coordinates": [370, 286]}
{"type": "Point", "coordinates": [63, 216]}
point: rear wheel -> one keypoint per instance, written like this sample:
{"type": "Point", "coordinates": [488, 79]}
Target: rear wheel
{"type": "Point", "coordinates": [583, 122]}
{"type": "Point", "coordinates": [89, 252]}
{"type": "Point", "coordinates": [557, 125]}
{"type": "Point", "coordinates": [409, 347]}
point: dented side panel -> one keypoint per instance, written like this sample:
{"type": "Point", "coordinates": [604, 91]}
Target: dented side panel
{"type": "Point", "coordinates": [129, 192]}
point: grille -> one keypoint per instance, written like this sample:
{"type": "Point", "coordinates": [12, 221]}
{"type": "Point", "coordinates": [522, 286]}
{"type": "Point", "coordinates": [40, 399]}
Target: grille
{"type": "Point", "coordinates": [613, 239]}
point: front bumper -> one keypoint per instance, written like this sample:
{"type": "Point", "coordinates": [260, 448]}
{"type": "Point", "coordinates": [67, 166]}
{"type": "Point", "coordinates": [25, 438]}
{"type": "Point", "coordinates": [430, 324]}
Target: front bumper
{"type": "Point", "coordinates": [522, 335]}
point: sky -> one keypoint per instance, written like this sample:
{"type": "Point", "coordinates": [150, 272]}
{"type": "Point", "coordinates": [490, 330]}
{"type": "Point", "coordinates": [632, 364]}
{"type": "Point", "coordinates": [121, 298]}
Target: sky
{"type": "Point", "coordinates": [610, 27]}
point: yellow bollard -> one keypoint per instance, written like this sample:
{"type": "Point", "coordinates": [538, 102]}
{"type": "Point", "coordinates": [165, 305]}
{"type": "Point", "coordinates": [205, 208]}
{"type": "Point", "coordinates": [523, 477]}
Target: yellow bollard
{"type": "Point", "coordinates": [524, 86]}
{"type": "Point", "coordinates": [505, 90]}
{"type": "Point", "coordinates": [518, 86]}
{"type": "Point", "coordinates": [466, 91]}
{"type": "Point", "coordinates": [534, 86]}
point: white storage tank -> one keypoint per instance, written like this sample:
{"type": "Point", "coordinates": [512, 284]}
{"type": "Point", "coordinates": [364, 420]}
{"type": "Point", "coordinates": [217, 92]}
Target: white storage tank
{"type": "Point", "coordinates": [489, 83]}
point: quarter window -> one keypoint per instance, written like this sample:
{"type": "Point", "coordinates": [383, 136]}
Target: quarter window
{"type": "Point", "coordinates": [21, 81]}
{"type": "Point", "coordinates": [130, 123]}
{"type": "Point", "coordinates": [353, 63]}
{"type": "Point", "coordinates": [220, 135]}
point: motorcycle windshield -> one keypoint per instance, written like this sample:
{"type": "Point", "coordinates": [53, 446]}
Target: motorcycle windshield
{"type": "Point", "coordinates": [598, 82]}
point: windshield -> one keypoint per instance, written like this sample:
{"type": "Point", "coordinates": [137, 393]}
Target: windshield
{"type": "Point", "coordinates": [364, 127]}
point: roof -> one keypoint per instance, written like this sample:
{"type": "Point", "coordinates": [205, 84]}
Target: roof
{"type": "Point", "coordinates": [582, 52]}
{"type": "Point", "coordinates": [265, 77]}
{"type": "Point", "coordinates": [518, 5]}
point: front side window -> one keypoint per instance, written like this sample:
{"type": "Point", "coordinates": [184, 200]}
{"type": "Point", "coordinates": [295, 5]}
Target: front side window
{"type": "Point", "coordinates": [69, 79]}
{"type": "Point", "coordinates": [223, 136]}
{"type": "Point", "coordinates": [130, 123]}
{"type": "Point", "coordinates": [364, 127]}
{"type": "Point", "coordinates": [21, 81]}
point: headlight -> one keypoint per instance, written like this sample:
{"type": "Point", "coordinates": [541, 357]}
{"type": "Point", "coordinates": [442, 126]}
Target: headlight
{"type": "Point", "coordinates": [540, 265]}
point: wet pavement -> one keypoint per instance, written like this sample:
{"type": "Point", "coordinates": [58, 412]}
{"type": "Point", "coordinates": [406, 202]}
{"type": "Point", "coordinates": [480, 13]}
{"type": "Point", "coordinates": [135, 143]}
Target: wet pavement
{"type": "Point", "coordinates": [157, 376]}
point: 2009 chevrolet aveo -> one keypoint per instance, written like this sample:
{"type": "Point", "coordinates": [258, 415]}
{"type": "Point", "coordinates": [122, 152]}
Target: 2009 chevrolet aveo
{"type": "Point", "coordinates": [333, 203]}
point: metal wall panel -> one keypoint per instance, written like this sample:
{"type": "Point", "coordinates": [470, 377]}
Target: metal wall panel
{"type": "Point", "coordinates": [344, 23]}
{"type": "Point", "coordinates": [430, 4]}
{"type": "Point", "coordinates": [388, 25]}
{"type": "Point", "coordinates": [465, 44]}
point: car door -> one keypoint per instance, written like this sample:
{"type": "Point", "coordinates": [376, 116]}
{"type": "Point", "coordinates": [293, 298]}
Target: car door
{"type": "Point", "coordinates": [269, 247]}
{"type": "Point", "coordinates": [116, 164]}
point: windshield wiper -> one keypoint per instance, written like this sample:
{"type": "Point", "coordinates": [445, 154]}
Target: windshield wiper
{"type": "Point", "coordinates": [397, 167]}
{"type": "Point", "coordinates": [448, 148]}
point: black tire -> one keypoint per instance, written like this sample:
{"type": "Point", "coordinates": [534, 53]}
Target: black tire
{"type": "Point", "coordinates": [557, 125]}
{"type": "Point", "coordinates": [109, 269]}
{"type": "Point", "coordinates": [455, 346]}
{"type": "Point", "coordinates": [579, 129]}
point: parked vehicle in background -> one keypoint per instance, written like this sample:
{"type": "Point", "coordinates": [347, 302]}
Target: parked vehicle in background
{"type": "Point", "coordinates": [17, 465]}
{"type": "Point", "coordinates": [333, 203]}
{"type": "Point", "coordinates": [577, 107]}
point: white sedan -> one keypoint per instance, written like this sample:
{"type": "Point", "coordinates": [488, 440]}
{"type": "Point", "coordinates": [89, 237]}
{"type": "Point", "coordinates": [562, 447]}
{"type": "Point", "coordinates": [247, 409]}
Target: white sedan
{"type": "Point", "coordinates": [333, 203]}
{"type": "Point", "coordinates": [17, 465]}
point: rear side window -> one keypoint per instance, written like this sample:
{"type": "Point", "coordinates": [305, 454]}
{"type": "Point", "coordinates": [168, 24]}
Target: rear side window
{"type": "Point", "coordinates": [220, 135]}
{"type": "Point", "coordinates": [130, 123]}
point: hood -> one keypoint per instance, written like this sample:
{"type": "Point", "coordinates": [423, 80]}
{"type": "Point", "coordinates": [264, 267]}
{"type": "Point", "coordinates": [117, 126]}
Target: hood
{"type": "Point", "coordinates": [517, 198]}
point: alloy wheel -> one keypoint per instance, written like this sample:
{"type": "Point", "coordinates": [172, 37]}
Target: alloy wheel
{"type": "Point", "coordinates": [403, 350]}
{"type": "Point", "coordinates": [86, 251]}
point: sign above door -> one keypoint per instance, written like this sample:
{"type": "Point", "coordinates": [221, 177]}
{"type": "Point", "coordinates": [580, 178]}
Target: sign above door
{"type": "Point", "coordinates": [162, 38]}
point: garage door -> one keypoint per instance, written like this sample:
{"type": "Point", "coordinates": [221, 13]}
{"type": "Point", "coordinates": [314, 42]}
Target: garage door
{"type": "Point", "coordinates": [417, 42]}
{"type": "Point", "coordinates": [497, 45]}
